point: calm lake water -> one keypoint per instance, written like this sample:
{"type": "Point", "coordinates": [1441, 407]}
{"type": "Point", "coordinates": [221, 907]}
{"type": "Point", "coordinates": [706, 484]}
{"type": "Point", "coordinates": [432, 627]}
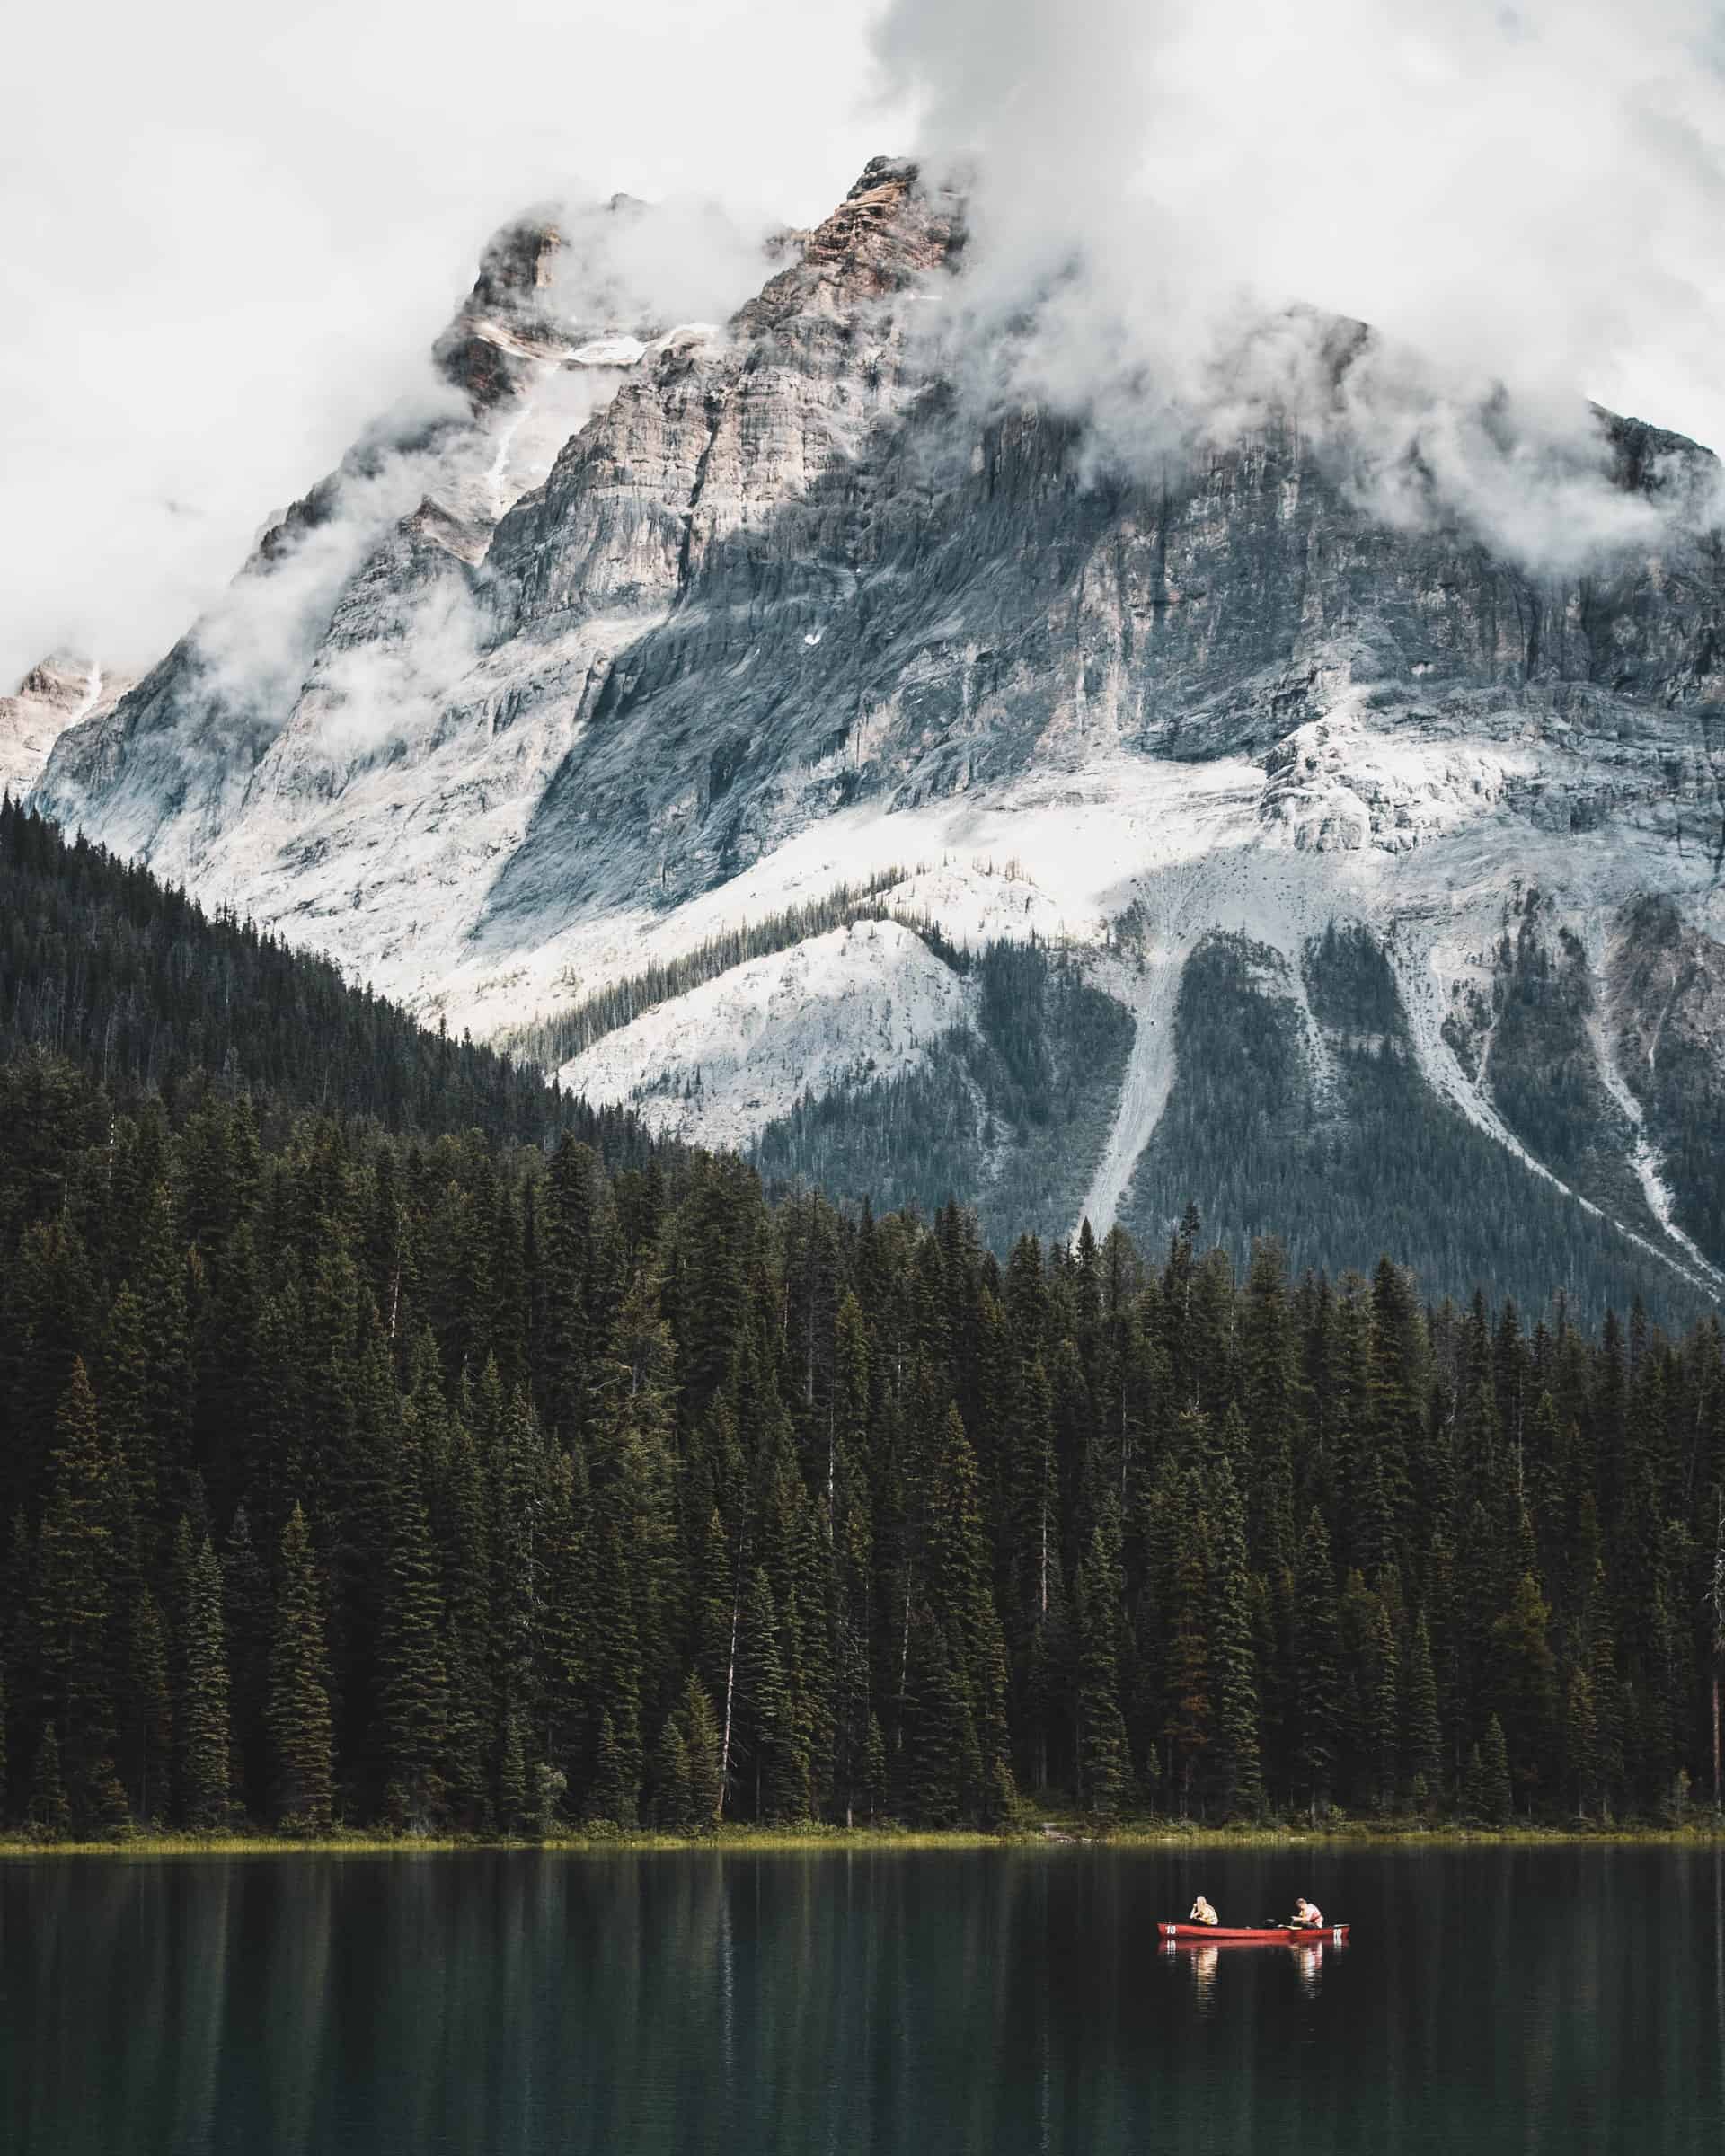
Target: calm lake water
{"type": "Point", "coordinates": [922, 2003]}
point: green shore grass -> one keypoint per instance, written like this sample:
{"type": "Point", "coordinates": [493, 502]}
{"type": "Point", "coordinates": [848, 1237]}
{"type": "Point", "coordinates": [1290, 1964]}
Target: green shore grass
{"type": "Point", "coordinates": [1706, 1829]}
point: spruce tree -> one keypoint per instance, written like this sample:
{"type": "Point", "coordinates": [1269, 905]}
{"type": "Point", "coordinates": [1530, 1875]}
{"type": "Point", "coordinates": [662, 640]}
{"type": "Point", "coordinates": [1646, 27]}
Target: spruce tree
{"type": "Point", "coordinates": [1521, 1681]}
{"type": "Point", "coordinates": [611, 1797]}
{"type": "Point", "coordinates": [1104, 1756]}
{"type": "Point", "coordinates": [701, 1753]}
{"type": "Point", "coordinates": [874, 1769]}
{"type": "Point", "coordinates": [1238, 1775]}
{"type": "Point", "coordinates": [413, 1684]}
{"type": "Point", "coordinates": [770, 1749]}
{"type": "Point", "coordinates": [75, 1561]}
{"type": "Point", "coordinates": [203, 1793]}
{"type": "Point", "coordinates": [1319, 1709]}
{"type": "Point", "coordinates": [148, 1732]}
{"type": "Point", "coordinates": [247, 1613]}
{"type": "Point", "coordinates": [1495, 1793]}
{"type": "Point", "coordinates": [1582, 1777]}
{"type": "Point", "coordinates": [50, 1815]}
{"type": "Point", "coordinates": [672, 1797]}
{"type": "Point", "coordinates": [298, 1715]}
{"type": "Point", "coordinates": [1422, 1737]}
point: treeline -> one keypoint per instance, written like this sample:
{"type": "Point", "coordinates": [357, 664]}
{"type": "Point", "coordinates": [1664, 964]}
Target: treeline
{"type": "Point", "coordinates": [132, 980]}
{"type": "Point", "coordinates": [551, 1042]}
{"type": "Point", "coordinates": [1013, 1111]}
{"type": "Point", "coordinates": [1326, 1132]}
{"type": "Point", "coordinates": [448, 1483]}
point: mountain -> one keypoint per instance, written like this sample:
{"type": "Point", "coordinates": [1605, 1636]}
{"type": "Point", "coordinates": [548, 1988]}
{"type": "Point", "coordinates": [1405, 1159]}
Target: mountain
{"type": "Point", "coordinates": [769, 734]}
{"type": "Point", "coordinates": [60, 692]}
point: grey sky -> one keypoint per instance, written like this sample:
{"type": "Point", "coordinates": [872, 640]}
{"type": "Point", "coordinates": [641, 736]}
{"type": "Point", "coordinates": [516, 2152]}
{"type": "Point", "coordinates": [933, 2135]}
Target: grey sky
{"type": "Point", "coordinates": [231, 233]}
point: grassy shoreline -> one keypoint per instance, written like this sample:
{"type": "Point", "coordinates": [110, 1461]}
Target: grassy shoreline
{"type": "Point", "coordinates": [1706, 1830]}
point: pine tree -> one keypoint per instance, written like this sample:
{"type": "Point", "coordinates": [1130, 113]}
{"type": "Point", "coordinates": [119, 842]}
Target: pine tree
{"type": "Point", "coordinates": [148, 1747]}
{"type": "Point", "coordinates": [298, 1711]}
{"type": "Point", "coordinates": [1582, 1777]}
{"type": "Point", "coordinates": [874, 1769]}
{"type": "Point", "coordinates": [964, 1604]}
{"type": "Point", "coordinates": [203, 1791]}
{"type": "Point", "coordinates": [50, 1815]}
{"type": "Point", "coordinates": [1104, 1755]}
{"type": "Point", "coordinates": [1496, 1795]}
{"type": "Point", "coordinates": [1521, 1681]}
{"type": "Point", "coordinates": [412, 1688]}
{"type": "Point", "coordinates": [1422, 1737]}
{"type": "Point", "coordinates": [1188, 1728]}
{"type": "Point", "coordinates": [74, 1562]}
{"type": "Point", "coordinates": [701, 1753]}
{"type": "Point", "coordinates": [611, 1799]}
{"type": "Point", "coordinates": [942, 1758]}
{"type": "Point", "coordinates": [672, 1797]}
{"type": "Point", "coordinates": [246, 1606]}
{"type": "Point", "coordinates": [1238, 1775]}
{"type": "Point", "coordinates": [780, 1787]}
{"type": "Point", "coordinates": [1319, 1707]}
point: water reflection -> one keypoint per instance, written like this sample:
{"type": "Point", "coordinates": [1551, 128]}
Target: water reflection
{"type": "Point", "coordinates": [998, 2003]}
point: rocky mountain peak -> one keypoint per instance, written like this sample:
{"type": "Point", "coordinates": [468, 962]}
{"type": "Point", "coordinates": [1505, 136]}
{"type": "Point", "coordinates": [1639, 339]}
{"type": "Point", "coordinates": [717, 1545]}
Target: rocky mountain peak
{"type": "Point", "coordinates": [56, 693]}
{"type": "Point", "coordinates": [890, 230]}
{"type": "Point", "coordinates": [733, 683]}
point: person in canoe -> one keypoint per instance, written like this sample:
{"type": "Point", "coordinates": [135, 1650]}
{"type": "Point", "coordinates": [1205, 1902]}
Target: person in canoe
{"type": "Point", "coordinates": [1307, 1916]}
{"type": "Point", "coordinates": [1202, 1914]}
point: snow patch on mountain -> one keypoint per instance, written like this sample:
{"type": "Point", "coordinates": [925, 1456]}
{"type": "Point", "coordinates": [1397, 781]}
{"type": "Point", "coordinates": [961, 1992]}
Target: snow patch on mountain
{"type": "Point", "coordinates": [855, 1006]}
{"type": "Point", "coordinates": [1644, 1157]}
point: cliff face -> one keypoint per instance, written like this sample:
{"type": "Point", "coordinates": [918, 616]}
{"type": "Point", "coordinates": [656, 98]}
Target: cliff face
{"type": "Point", "coordinates": [670, 627]}
{"type": "Point", "coordinates": [60, 693]}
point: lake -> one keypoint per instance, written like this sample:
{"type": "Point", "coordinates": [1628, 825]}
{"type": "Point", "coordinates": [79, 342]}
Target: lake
{"type": "Point", "coordinates": [999, 2000]}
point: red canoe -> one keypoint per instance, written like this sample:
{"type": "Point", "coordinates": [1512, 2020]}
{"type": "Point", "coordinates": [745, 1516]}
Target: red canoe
{"type": "Point", "coordinates": [1277, 1935]}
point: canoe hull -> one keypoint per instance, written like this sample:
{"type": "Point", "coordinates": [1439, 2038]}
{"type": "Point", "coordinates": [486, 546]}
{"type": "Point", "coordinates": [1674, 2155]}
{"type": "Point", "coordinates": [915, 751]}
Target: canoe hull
{"type": "Point", "coordinates": [1279, 1935]}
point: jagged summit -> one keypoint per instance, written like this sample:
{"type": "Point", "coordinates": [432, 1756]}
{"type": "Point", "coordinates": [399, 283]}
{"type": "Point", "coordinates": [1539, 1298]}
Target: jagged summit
{"type": "Point", "coordinates": [692, 623]}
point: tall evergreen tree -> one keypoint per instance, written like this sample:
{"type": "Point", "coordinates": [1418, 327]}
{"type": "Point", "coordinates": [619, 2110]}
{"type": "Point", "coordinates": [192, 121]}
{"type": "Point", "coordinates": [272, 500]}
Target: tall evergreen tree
{"type": "Point", "coordinates": [203, 1793]}
{"type": "Point", "coordinates": [148, 1746]}
{"type": "Point", "coordinates": [1104, 1755]}
{"type": "Point", "coordinates": [1320, 1709]}
{"type": "Point", "coordinates": [413, 1684]}
{"type": "Point", "coordinates": [298, 1710]}
{"type": "Point", "coordinates": [74, 1562]}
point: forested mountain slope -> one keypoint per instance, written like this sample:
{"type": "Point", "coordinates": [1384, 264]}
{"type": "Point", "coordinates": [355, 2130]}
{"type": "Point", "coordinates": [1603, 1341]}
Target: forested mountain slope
{"type": "Point", "coordinates": [454, 1486]}
{"type": "Point", "coordinates": [449, 1481]}
{"type": "Point", "coordinates": [103, 966]}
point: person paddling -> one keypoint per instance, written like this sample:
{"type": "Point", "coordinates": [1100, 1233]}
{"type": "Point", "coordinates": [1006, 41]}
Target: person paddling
{"type": "Point", "coordinates": [1202, 1912]}
{"type": "Point", "coordinates": [1307, 1916]}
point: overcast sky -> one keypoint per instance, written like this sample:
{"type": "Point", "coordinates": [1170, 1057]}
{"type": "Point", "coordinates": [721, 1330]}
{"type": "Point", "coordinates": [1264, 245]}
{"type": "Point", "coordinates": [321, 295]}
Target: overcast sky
{"type": "Point", "coordinates": [230, 232]}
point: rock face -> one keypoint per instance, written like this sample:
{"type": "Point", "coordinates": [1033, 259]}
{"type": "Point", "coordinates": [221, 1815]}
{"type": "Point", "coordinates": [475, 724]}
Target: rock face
{"type": "Point", "coordinates": [60, 692]}
{"type": "Point", "coordinates": [669, 628]}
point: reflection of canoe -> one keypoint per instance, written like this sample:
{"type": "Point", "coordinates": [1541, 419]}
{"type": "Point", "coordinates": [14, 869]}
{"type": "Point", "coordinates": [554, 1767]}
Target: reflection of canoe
{"type": "Point", "coordinates": [1277, 1935]}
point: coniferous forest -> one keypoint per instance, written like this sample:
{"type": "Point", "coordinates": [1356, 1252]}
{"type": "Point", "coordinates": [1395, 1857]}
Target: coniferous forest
{"type": "Point", "coordinates": [375, 1460]}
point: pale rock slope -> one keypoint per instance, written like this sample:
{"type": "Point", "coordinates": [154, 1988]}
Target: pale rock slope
{"type": "Point", "coordinates": [60, 692]}
{"type": "Point", "coordinates": [661, 631]}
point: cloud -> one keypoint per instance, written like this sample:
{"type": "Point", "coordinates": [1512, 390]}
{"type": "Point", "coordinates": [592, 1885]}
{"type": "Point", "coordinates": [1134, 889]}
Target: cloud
{"type": "Point", "coordinates": [1171, 205]}
{"type": "Point", "coordinates": [232, 235]}
{"type": "Point", "coordinates": [376, 650]}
